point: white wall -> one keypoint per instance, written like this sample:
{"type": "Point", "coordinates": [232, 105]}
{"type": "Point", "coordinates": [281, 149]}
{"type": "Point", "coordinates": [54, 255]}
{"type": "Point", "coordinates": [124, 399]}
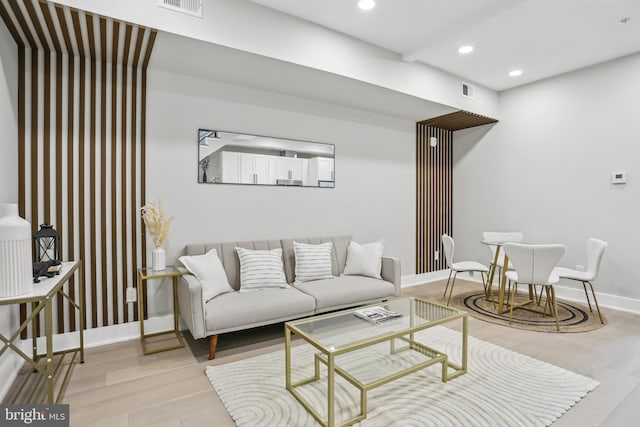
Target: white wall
{"type": "Point", "coordinates": [9, 319]}
{"type": "Point", "coordinates": [375, 169]}
{"type": "Point", "coordinates": [545, 170]}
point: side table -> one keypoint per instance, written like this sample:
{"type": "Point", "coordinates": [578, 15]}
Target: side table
{"type": "Point", "coordinates": [145, 274]}
{"type": "Point", "coordinates": [41, 302]}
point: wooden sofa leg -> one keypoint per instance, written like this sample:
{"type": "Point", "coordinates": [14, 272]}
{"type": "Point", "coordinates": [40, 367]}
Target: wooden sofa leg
{"type": "Point", "coordinates": [213, 343]}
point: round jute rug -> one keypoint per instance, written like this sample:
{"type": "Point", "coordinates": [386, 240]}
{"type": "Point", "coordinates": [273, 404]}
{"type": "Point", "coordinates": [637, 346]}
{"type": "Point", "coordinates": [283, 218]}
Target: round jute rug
{"type": "Point", "coordinates": [572, 317]}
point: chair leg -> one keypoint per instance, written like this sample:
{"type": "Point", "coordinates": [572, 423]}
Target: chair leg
{"type": "Point", "coordinates": [584, 285]}
{"type": "Point", "coordinates": [546, 302]}
{"type": "Point", "coordinates": [447, 287]}
{"type": "Point", "coordinates": [596, 301]}
{"type": "Point", "coordinates": [513, 301]}
{"type": "Point", "coordinates": [555, 307]}
{"type": "Point", "coordinates": [484, 282]}
{"type": "Point", "coordinates": [451, 290]}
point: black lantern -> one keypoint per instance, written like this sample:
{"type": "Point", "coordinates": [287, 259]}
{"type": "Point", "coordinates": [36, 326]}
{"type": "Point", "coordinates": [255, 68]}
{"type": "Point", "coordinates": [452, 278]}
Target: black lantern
{"type": "Point", "coordinates": [46, 244]}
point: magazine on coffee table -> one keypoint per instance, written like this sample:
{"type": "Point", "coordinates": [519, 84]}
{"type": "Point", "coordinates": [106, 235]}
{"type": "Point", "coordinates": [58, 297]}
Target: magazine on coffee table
{"type": "Point", "coordinates": [376, 314]}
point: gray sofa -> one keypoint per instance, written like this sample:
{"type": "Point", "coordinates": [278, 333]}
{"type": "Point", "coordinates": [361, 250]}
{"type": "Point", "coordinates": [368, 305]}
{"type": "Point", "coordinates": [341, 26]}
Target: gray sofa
{"type": "Point", "coordinates": [234, 311]}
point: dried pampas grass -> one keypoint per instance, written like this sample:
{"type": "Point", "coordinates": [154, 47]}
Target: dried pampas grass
{"type": "Point", "coordinates": [157, 224]}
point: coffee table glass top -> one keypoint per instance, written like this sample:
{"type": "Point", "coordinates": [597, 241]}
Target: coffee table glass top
{"type": "Point", "coordinates": [342, 330]}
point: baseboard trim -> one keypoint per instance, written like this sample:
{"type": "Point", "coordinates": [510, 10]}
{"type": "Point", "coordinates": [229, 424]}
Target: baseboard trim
{"type": "Point", "coordinates": [615, 302]}
{"type": "Point", "coordinates": [423, 278]}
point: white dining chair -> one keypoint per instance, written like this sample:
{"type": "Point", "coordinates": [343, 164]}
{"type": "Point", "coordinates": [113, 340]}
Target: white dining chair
{"type": "Point", "coordinates": [533, 265]}
{"type": "Point", "coordinates": [595, 251]}
{"type": "Point", "coordinates": [460, 267]}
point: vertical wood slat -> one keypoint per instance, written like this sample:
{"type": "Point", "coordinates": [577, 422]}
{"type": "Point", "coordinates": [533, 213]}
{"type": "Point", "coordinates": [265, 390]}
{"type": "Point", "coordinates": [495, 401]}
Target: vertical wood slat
{"type": "Point", "coordinates": [434, 188]}
{"type": "Point", "coordinates": [143, 149]}
{"type": "Point", "coordinates": [114, 139]}
{"type": "Point", "coordinates": [75, 18]}
{"type": "Point", "coordinates": [125, 78]}
{"type": "Point", "coordinates": [56, 50]}
{"type": "Point", "coordinates": [70, 152]}
{"type": "Point", "coordinates": [92, 167]}
{"type": "Point", "coordinates": [61, 51]}
{"type": "Point", "coordinates": [101, 214]}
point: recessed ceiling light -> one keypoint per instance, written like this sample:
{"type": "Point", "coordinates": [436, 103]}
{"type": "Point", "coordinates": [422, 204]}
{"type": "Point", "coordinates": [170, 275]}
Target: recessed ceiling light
{"type": "Point", "coordinates": [465, 49]}
{"type": "Point", "coordinates": [515, 73]}
{"type": "Point", "coordinates": [366, 4]}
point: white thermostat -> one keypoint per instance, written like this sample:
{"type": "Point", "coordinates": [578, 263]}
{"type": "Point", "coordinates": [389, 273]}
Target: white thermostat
{"type": "Point", "coordinates": [619, 178]}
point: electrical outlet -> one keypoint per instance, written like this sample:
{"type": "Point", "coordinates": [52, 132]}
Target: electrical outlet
{"type": "Point", "coordinates": [436, 255]}
{"type": "Point", "coordinates": [579, 267]}
{"type": "Point", "coordinates": [132, 296]}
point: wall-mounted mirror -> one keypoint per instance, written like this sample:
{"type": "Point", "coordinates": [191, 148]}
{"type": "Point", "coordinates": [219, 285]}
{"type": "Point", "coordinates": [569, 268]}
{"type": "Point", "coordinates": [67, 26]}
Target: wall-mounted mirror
{"type": "Point", "coordinates": [236, 158]}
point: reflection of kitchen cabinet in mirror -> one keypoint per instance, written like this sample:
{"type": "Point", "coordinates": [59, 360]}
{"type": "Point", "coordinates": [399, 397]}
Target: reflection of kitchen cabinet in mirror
{"type": "Point", "coordinates": [235, 158]}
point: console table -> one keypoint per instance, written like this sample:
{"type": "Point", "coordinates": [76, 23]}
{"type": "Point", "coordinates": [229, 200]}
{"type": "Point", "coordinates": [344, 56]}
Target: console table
{"type": "Point", "coordinates": [145, 274]}
{"type": "Point", "coordinates": [41, 299]}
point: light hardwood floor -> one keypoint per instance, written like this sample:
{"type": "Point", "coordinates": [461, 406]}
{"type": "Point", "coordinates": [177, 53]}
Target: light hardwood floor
{"type": "Point", "coordinates": [118, 386]}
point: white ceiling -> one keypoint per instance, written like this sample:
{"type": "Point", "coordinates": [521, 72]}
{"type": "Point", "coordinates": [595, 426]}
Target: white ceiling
{"type": "Point", "coordinates": [543, 38]}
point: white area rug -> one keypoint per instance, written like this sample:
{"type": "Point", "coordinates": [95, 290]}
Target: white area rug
{"type": "Point", "coordinates": [501, 388]}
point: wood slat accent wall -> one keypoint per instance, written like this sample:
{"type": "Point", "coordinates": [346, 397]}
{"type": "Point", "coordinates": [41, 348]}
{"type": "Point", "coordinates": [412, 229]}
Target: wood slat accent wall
{"type": "Point", "coordinates": [434, 198]}
{"type": "Point", "coordinates": [81, 146]}
{"type": "Point", "coordinates": [459, 120]}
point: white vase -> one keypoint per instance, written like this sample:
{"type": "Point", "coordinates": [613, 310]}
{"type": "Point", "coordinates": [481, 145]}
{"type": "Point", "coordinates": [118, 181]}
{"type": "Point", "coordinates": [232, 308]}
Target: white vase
{"type": "Point", "coordinates": [16, 265]}
{"type": "Point", "coordinates": [158, 261]}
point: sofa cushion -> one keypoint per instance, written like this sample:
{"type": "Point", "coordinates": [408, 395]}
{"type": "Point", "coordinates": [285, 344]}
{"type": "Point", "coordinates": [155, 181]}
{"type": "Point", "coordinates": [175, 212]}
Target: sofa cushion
{"type": "Point", "coordinates": [313, 262]}
{"type": "Point", "coordinates": [365, 259]}
{"type": "Point", "coordinates": [346, 290]}
{"type": "Point", "coordinates": [236, 310]}
{"type": "Point", "coordinates": [261, 269]}
{"type": "Point", "coordinates": [208, 270]}
{"type": "Point", "coordinates": [338, 253]}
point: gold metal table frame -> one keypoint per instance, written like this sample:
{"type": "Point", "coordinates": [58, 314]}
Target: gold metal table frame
{"type": "Point", "coordinates": [502, 301]}
{"type": "Point", "coordinates": [416, 309]}
{"type": "Point", "coordinates": [145, 274]}
{"type": "Point", "coordinates": [41, 300]}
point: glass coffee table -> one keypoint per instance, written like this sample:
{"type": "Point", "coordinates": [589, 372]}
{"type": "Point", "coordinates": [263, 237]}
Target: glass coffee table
{"type": "Point", "coordinates": [341, 338]}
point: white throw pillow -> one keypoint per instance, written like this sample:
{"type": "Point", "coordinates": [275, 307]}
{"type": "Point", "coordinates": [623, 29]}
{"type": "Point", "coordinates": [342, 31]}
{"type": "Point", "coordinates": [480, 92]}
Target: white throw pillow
{"type": "Point", "coordinates": [209, 271]}
{"type": "Point", "coordinates": [313, 262]}
{"type": "Point", "coordinates": [261, 269]}
{"type": "Point", "coordinates": [364, 260]}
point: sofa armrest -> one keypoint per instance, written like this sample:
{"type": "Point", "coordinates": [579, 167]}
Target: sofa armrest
{"type": "Point", "coordinates": [391, 272]}
{"type": "Point", "coordinates": [192, 305]}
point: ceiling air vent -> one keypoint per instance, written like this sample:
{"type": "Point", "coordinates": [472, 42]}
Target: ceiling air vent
{"type": "Point", "coordinates": [190, 7]}
{"type": "Point", "coordinates": [467, 90]}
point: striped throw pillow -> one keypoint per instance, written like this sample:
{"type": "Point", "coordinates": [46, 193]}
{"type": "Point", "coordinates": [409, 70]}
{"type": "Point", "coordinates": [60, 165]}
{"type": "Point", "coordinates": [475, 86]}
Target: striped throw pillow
{"type": "Point", "coordinates": [313, 262]}
{"type": "Point", "coordinates": [261, 269]}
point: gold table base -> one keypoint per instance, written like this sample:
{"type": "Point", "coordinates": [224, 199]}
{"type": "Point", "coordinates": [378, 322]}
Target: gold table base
{"type": "Point", "coordinates": [328, 358]}
{"type": "Point", "coordinates": [145, 274]}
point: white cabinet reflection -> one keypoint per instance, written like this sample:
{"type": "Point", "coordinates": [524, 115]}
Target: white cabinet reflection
{"type": "Point", "coordinates": [234, 158]}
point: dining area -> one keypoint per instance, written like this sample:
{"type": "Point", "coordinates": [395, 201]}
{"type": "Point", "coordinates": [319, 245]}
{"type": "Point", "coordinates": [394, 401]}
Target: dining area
{"type": "Point", "coordinates": [536, 267]}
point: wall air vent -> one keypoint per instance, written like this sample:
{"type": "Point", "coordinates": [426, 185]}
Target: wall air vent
{"type": "Point", "coordinates": [190, 7]}
{"type": "Point", "coordinates": [467, 90]}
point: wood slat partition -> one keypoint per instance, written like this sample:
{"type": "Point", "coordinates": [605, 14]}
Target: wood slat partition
{"type": "Point", "coordinates": [81, 147]}
{"type": "Point", "coordinates": [434, 189]}
{"type": "Point", "coordinates": [434, 186]}
{"type": "Point", "coordinates": [459, 120]}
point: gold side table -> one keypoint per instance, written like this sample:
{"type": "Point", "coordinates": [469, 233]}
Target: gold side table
{"type": "Point", "coordinates": [41, 299]}
{"type": "Point", "coordinates": [145, 274]}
